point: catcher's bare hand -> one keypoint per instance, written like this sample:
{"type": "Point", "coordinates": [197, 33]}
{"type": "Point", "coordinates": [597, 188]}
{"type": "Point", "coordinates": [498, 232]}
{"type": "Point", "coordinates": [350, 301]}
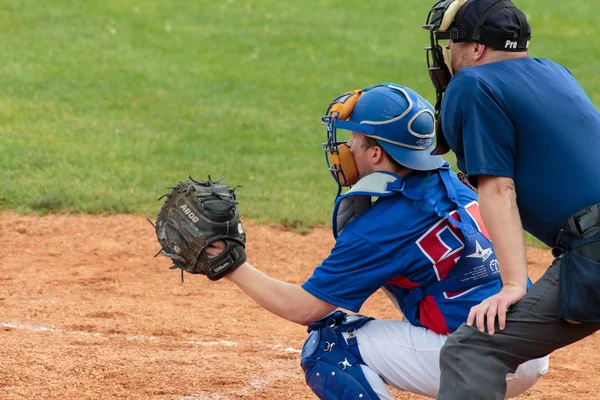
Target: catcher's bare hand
{"type": "Point", "coordinates": [497, 305]}
{"type": "Point", "coordinates": [215, 249]}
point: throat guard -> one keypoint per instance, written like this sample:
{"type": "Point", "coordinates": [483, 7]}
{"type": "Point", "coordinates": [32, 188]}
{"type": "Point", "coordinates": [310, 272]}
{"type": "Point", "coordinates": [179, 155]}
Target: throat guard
{"type": "Point", "coordinates": [357, 200]}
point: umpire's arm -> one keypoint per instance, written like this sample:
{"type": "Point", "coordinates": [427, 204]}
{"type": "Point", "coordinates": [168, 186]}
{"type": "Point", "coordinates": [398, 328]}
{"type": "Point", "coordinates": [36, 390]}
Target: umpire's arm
{"type": "Point", "coordinates": [500, 214]}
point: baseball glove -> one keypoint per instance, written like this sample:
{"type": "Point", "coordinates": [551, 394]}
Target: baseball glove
{"type": "Point", "coordinates": [196, 214]}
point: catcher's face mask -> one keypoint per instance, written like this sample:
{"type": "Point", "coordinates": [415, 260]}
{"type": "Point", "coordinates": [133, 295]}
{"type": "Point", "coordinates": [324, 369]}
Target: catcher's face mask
{"type": "Point", "coordinates": [440, 24]}
{"type": "Point", "coordinates": [338, 156]}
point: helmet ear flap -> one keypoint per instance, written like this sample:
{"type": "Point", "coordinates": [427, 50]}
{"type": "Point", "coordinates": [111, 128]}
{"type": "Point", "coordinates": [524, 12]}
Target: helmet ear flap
{"type": "Point", "coordinates": [344, 105]}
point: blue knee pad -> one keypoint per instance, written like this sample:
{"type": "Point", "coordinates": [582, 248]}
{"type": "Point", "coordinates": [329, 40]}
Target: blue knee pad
{"type": "Point", "coordinates": [331, 365]}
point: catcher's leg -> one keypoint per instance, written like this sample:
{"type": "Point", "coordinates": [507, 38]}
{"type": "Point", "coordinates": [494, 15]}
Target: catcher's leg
{"type": "Point", "coordinates": [333, 366]}
{"type": "Point", "coordinates": [474, 363]}
{"type": "Point", "coordinates": [407, 357]}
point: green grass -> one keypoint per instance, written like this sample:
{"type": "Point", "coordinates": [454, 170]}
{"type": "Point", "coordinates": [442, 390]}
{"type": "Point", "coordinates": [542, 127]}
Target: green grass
{"type": "Point", "coordinates": [106, 103]}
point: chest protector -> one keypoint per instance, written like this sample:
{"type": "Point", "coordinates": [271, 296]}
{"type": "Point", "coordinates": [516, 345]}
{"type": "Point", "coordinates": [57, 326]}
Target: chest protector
{"type": "Point", "coordinates": [477, 264]}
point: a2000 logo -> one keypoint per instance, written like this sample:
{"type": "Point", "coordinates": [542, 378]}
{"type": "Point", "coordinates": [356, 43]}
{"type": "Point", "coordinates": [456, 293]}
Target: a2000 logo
{"type": "Point", "coordinates": [189, 213]}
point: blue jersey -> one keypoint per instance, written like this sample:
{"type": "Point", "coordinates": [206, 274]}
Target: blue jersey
{"type": "Point", "coordinates": [527, 119]}
{"type": "Point", "coordinates": [399, 244]}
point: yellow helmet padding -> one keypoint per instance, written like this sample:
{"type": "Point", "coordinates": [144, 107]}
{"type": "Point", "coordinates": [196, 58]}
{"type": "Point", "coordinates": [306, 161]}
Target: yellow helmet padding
{"type": "Point", "coordinates": [344, 105]}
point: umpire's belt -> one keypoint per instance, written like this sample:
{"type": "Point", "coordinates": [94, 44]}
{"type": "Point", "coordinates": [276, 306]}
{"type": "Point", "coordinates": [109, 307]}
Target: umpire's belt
{"type": "Point", "coordinates": [582, 231]}
{"type": "Point", "coordinates": [584, 223]}
{"type": "Point", "coordinates": [579, 284]}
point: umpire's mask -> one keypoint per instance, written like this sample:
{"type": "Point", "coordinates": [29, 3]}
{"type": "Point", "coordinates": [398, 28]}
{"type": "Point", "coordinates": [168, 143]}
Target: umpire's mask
{"type": "Point", "coordinates": [494, 23]}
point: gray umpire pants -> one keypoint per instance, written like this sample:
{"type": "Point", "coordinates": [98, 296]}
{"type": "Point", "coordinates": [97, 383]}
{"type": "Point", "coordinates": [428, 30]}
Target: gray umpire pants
{"type": "Point", "coordinates": [474, 364]}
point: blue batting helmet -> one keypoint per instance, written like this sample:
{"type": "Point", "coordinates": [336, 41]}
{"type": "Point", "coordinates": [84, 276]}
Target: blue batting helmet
{"type": "Point", "coordinates": [399, 119]}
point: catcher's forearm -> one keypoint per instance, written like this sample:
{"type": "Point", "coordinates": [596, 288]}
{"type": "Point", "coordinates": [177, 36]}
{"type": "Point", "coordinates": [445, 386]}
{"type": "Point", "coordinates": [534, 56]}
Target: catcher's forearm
{"type": "Point", "coordinates": [499, 211]}
{"type": "Point", "coordinates": [284, 299]}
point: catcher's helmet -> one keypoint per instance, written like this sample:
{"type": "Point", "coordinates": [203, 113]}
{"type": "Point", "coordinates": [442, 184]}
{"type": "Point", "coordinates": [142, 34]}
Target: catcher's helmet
{"type": "Point", "coordinates": [399, 119]}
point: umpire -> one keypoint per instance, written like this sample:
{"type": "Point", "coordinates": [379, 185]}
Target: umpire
{"type": "Point", "coordinates": [528, 136]}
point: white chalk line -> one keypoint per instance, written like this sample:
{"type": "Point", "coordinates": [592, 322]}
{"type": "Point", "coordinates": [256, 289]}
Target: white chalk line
{"type": "Point", "coordinates": [141, 338]}
{"type": "Point", "coordinates": [226, 343]}
{"type": "Point", "coordinates": [52, 329]}
{"type": "Point", "coordinates": [279, 347]}
{"type": "Point", "coordinates": [252, 387]}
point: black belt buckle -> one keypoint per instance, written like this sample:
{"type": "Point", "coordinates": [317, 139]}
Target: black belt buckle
{"type": "Point", "coordinates": [585, 220]}
{"type": "Point", "coordinates": [578, 225]}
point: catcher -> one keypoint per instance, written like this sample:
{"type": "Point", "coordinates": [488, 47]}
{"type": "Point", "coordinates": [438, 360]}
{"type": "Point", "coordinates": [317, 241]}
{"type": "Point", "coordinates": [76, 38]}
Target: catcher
{"type": "Point", "coordinates": [421, 241]}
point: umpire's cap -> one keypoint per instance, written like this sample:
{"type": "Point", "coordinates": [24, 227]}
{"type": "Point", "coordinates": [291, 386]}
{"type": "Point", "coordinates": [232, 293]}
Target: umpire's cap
{"type": "Point", "coordinates": [498, 24]}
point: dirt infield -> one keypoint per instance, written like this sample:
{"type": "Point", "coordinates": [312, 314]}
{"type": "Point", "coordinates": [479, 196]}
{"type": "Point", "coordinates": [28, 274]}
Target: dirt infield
{"type": "Point", "coordinates": [86, 312]}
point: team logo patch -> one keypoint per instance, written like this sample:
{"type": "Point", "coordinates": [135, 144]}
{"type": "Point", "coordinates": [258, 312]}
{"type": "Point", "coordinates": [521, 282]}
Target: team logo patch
{"type": "Point", "coordinates": [484, 254]}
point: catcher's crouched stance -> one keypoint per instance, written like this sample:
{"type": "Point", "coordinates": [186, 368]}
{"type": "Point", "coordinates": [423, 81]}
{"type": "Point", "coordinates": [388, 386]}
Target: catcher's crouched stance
{"type": "Point", "coordinates": [195, 215]}
{"type": "Point", "coordinates": [422, 242]}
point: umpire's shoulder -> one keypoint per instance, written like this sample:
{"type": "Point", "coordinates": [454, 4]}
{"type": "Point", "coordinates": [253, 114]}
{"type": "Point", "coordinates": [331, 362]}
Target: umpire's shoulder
{"type": "Point", "coordinates": [467, 83]}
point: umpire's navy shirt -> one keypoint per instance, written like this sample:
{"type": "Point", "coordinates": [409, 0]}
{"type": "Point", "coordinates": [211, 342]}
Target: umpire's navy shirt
{"type": "Point", "coordinates": [527, 119]}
